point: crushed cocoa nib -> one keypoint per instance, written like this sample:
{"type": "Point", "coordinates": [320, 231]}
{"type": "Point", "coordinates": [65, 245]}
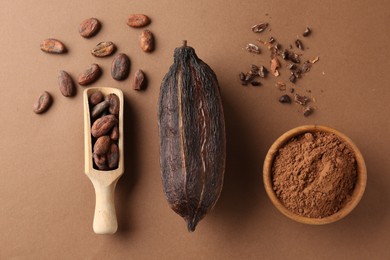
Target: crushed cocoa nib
{"type": "Point", "coordinates": [306, 66]}
{"type": "Point", "coordinates": [298, 44]}
{"type": "Point", "coordinates": [256, 83]}
{"type": "Point", "coordinates": [271, 40]}
{"type": "Point", "coordinates": [314, 60]}
{"type": "Point", "coordinates": [253, 48]}
{"type": "Point", "coordinates": [306, 32]}
{"type": "Point", "coordinates": [258, 28]}
{"type": "Point", "coordinates": [280, 85]}
{"type": "Point", "coordinates": [263, 72]}
{"type": "Point", "coordinates": [292, 78]}
{"type": "Point", "coordinates": [285, 99]}
{"type": "Point", "coordinates": [302, 100]}
{"type": "Point", "coordinates": [308, 110]}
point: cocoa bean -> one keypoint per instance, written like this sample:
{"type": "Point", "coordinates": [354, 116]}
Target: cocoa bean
{"type": "Point", "coordinates": [96, 98]}
{"type": "Point", "coordinates": [89, 27]}
{"type": "Point", "coordinates": [53, 46]}
{"type": "Point", "coordinates": [113, 156]}
{"type": "Point", "coordinates": [138, 20]}
{"type": "Point", "coordinates": [66, 84]}
{"type": "Point", "coordinates": [42, 103]}
{"type": "Point", "coordinates": [102, 145]}
{"type": "Point", "coordinates": [100, 161]}
{"type": "Point", "coordinates": [146, 41]}
{"type": "Point", "coordinates": [192, 136]}
{"type": "Point", "coordinates": [103, 125]}
{"type": "Point", "coordinates": [99, 108]}
{"type": "Point", "coordinates": [114, 104]}
{"type": "Point", "coordinates": [90, 75]}
{"type": "Point", "coordinates": [120, 67]}
{"type": "Point", "coordinates": [103, 49]}
{"type": "Point", "coordinates": [139, 80]}
{"type": "Point", "coordinates": [115, 133]}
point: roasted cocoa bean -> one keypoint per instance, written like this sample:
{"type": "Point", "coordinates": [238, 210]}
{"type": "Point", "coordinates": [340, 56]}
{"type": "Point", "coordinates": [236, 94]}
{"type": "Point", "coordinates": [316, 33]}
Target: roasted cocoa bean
{"type": "Point", "coordinates": [114, 106]}
{"type": "Point", "coordinates": [53, 46]}
{"type": "Point", "coordinates": [100, 161]}
{"type": "Point", "coordinates": [146, 41]}
{"type": "Point", "coordinates": [99, 108]}
{"type": "Point", "coordinates": [115, 133]}
{"type": "Point", "coordinates": [192, 136]}
{"type": "Point", "coordinates": [90, 75]}
{"type": "Point", "coordinates": [120, 67]}
{"type": "Point", "coordinates": [103, 125]}
{"type": "Point", "coordinates": [42, 103]}
{"type": "Point", "coordinates": [89, 27]}
{"type": "Point", "coordinates": [139, 80]}
{"type": "Point", "coordinates": [113, 156]}
{"type": "Point", "coordinates": [96, 98]}
{"type": "Point", "coordinates": [103, 49]}
{"type": "Point", "coordinates": [102, 145]}
{"type": "Point", "coordinates": [66, 84]}
{"type": "Point", "coordinates": [138, 20]}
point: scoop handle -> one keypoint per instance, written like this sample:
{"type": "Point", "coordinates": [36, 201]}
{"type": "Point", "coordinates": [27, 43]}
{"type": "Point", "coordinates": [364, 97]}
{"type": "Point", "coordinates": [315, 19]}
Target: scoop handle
{"type": "Point", "coordinates": [104, 221]}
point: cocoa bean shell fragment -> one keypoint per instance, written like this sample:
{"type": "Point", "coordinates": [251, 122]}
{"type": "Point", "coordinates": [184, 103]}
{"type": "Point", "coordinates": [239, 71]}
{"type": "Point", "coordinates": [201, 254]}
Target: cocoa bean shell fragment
{"type": "Point", "coordinates": [192, 136]}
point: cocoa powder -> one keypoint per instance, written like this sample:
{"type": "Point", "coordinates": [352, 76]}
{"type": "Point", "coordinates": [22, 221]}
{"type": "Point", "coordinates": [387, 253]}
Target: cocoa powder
{"type": "Point", "coordinates": [314, 174]}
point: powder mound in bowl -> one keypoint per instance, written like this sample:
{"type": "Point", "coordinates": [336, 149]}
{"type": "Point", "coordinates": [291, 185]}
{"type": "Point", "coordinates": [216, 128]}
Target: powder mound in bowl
{"type": "Point", "coordinates": [314, 174]}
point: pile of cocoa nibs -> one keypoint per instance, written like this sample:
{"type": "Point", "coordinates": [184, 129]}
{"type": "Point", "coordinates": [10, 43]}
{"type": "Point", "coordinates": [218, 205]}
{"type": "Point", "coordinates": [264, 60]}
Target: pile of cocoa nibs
{"type": "Point", "coordinates": [293, 62]}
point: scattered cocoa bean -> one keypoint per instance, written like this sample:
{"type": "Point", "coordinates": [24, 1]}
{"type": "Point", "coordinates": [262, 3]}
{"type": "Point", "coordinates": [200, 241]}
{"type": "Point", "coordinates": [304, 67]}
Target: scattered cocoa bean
{"type": "Point", "coordinates": [53, 46]}
{"type": "Point", "coordinates": [139, 80]}
{"type": "Point", "coordinates": [89, 27]}
{"type": "Point", "coordinates": [42, 103]}
{"type": "Point", "coordinates": [138, 20]}
{"type": "Point", "coordinates": [146, 41]}
{"type": "Point", "coordinates": [103, 49]}
{"type": "Point", "coordinates": [103, 125]}
{"type": "Point", "coordinates": [120, 67]}
{"type": "Point", "coordinates": [66, 84]}
{"type": "Point", "coordinates": [102, 145]}
{"type": "Point", "coordinates": [114, 106]}
{"type": "Point", "coordinates": [90, 75]}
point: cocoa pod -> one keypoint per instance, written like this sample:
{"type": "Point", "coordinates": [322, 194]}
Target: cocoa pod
{"type": "Point", "coordinates": [192, 136]}
{"type": "Point", "coordinates": [42, 103]}
{"type": "Point", "coordinates": [99, 108]}
{"type": "Point", "coordinates": [113, 100]}
{"type": "Point", "coordinates": [113, 156]}
{"type": "Point", "coordinates": [96, 98]}
{"type": "Point", "coordinates": [53, 46]}
{"type": "Point", "coordinates": [146, 41]}
{"type": "Point", "coordinates": [103, 49]}
{"type": "Point", "coordinates": [120, 67]}
{"type": "Point", "coordinates": [89, 27]}
{"type": "Point", "coordinates": [102, 145]}
{"type": "Point", "coordinates": [139, 80]}
{"type": "Point", "coordinates": [138, 20]}
{"type": "Point", "coordinates": [103, 125]}
{"type": "Point", "coordinates": [90, 75]}
{"type": "Point", "coordinates": [66, 84]}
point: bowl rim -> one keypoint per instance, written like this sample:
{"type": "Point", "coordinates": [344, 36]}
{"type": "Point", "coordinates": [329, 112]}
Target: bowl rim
{"type": "Point", "coordinates": [359, 186]}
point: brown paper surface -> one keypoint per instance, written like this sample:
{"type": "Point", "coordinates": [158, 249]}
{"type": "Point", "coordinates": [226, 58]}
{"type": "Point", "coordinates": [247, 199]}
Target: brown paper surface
{"type": "Point", "coordinates": [47, 202]}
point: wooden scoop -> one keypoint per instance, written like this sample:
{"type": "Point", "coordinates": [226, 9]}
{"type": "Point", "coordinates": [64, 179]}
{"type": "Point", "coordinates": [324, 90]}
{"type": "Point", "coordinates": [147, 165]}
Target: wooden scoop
{"type": "Point", "coordinates": [104, 182]}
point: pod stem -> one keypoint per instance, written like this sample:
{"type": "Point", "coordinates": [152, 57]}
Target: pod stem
{"type": "Point", "coordinates": [184, 43]}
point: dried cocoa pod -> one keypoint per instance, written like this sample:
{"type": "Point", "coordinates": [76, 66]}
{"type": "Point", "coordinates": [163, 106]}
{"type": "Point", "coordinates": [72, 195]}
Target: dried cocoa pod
{"type": "Point", "coordinates": [99, 108]}
{"type": "Point", "coordinates": [192, 136]}
{"type": "Point", "coordinates": [42, 103]}
{"type": "Point", "coordinates": [120, 67]}
{"type": "Point", "coordinates": [66, 84]}
{"type": "Point", "coordinates": [103, 125]}
{"type": "Point", "coordinates": [113, 100]}
{"type": "Point", "coordinates": [90, 75]}
{"type": "Point", "coordinates": [89, 27]}
{"type": "Point", "coordinates": [146, 41]}
{"type": "Point", "coordinates": [102, 145]}
{"type": "Point", "coordinates": [53, 46]}
{"type": "Point", "coordinates": [113, 156]}
{"type": "Point", "coordinates": [139, 80]}
{"type": "Point", "coordinates": [103, 49]}
{"type": "Point", "coordinates": [96, 98]}
{"type": "Point", "coordinates": [138, 20]}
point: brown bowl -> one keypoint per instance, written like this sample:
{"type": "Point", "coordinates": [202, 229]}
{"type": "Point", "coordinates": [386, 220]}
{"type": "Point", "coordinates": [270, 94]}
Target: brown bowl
{"type": "Point", "coordinates": [359, 185]}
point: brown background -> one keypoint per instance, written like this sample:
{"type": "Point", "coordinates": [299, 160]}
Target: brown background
{"type": "Point", "coordinates": [47, 202]}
